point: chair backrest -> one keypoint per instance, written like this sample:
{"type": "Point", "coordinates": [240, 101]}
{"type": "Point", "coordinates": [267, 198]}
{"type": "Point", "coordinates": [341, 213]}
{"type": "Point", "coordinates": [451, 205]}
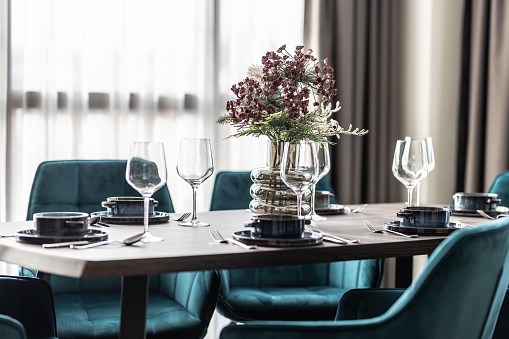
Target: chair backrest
{"type": "Point", "coordinates": [29, 301]}
{"type": "Point", "coordinates": [343, 274]}
{"type": "Point", "coordinates": [232, 190]}
{"type": "Point", "coordinates": [500, 185]}
{"type": "Point", "coordinates": [81, 186]}
{"type": "Point", "coordinates": [460, 292]}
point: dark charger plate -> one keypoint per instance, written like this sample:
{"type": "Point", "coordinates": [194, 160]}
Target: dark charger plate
{"type": "Point", "coordinates": [157, 218]}
{"type": "Point", "coordinates": [32, 236]}
{"type": "Point", "coordinates": [468, 213]}
{"type": "Point", "coordinates": [333, 209]}
{"type": "Point", "coordinates": [307, 239]}
{"type": "Point", "coordinates": [395, 226]}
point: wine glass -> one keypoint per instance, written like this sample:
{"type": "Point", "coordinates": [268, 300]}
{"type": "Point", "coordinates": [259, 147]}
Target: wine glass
{"type": "Point", "coordinates": [299, 168]}
{"type": "Point", "coordinates": [195, 166]}
{"type": "Point", "coordinates": [410, 164]}
{"type": "Point", "coordinates": [323, 169]}
{"type": "Point", "coordinates": [146, 173]}
{"type": "Point", "coordinates": [431, 166]}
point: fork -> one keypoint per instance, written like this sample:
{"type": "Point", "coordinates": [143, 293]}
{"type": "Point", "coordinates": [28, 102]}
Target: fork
{"type": "Point", "coordinates": [487, 216]}
{"type": "Point", "coordinates": [358, 209]}
{"type": "Point", "coordinates": [181, 218]}
{"type": "Point", "coordinates": [372, 228]}
{"type": "Point", "coordinates": [219, 238]}
{"type": "Point", "coordinates": [317, 230]}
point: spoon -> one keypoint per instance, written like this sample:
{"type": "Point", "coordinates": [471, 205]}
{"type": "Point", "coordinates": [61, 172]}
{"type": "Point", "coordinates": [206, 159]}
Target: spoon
{"type": "Point", "coordinates": [127, 241]}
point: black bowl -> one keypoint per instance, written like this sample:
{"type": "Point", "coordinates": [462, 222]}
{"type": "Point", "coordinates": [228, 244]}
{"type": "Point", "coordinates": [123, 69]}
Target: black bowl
{"type": "Point", "coordinates": [127, 206]}
{"type": "Point", "coordinates": [61, 223]}
{"type": "Point", "coordinates": [475, 201]}
{"type": "Point", "coordinates": [276, 226]}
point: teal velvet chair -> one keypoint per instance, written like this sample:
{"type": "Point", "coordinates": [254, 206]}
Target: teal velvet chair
{"type": "Point", "coordinates": [10, 328]}
{"type": "Point", "coordinates": [500, 185]}
{"type": "Point", "coordinates": [300, 292]}
{"type": "Point", "coordinates": [458, 295]}
{"type": "Point", "coordinates": [26, 308]}
{"type": "Point", "coordinates": [180, 305]}
{"type": "Point", "coordinates": [231, 190]}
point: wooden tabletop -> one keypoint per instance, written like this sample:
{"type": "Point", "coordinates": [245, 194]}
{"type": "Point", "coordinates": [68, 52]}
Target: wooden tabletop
{"type": "Point", "coordinates": [191, 249]}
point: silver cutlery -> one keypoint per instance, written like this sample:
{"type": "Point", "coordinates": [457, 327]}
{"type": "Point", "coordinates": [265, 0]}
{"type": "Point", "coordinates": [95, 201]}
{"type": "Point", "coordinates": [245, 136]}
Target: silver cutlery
{"type": "Point", "coordinates": [65, 244]}
{"type": "Point", "coordinates": [96, 221]}
{"type": "Point", "coordinates": [359, 209]}
{"type": "Point", "coordinates": [372, 228]}
{"type": "Point", "coordinates": [329, 235]}
{"type": "Point", "coordinates": [127, 241]}
{"type": "Point", "coordinates": [487, 216]}
{"type": "Point", "coordinates": [462, 224]}
{"type": "Point", "coordinates": [220, 239]}
{"type": "Point", "coordinates": [181, 218]}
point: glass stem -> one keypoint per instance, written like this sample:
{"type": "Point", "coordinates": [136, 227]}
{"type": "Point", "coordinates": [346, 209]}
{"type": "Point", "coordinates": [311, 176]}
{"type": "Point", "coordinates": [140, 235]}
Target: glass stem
{"type": "Point", "coordinates": [313, 190]}
{"type": "Point", "coordinates": [194, 203]}
{"type": "Point", "coordinates": [146, 203]}
{"type": "Point", "coordinates": [417, 192]}
{"type": "Point", "coordinates": [299, 203]}
{"type": "Point", "coordinates": [409, 203]}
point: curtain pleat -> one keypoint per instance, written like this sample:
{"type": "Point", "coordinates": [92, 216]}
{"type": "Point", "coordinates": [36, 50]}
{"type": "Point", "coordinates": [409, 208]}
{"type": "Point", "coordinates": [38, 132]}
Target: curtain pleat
{"type": "Point", "coordinates": [484, 106]}
{"type": "Point", "coordinates": [362, 39]}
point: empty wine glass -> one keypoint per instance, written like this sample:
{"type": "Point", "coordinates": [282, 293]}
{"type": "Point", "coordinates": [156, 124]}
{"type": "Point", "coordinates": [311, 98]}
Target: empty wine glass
{"type": "Point", "coordinates": [409, 164]}
{"type": "Point", "coordinates": [195, 165]}
{"type": "Point", "coordinates": [431, 167]}
{"type": "Point", "coordinates": [299, 168]}
{"type": "Point", "coordinates": [323, 168]}
{"type": "Point", "coordinates": [146, 173]}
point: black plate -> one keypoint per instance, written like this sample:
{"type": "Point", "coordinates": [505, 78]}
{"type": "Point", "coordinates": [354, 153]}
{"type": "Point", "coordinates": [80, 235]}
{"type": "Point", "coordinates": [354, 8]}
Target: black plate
{"type": "Point", "coordinates": [469, 213]}
{"type": "Point", "coordinates": [307, 239]}
{"type": "Point", "coordinates": [333, 209]}
{"type": "Point", "coordinates": [32, 236]}
{"type": "Point", "coordinates": [157, 218]}
{"type": "Point", "coordinates": [394, 225]}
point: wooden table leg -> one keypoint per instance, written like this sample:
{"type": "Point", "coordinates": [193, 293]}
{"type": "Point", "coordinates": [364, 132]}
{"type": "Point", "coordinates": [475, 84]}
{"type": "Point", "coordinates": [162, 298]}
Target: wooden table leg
{"type": "Point", "coordinates": [404, 268]}
{"type": "Point", "coordinates": [133, 316]}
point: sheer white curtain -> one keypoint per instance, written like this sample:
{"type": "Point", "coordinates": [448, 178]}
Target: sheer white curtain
{"type": "Point", "coordinates": [4, 66]}
{"type": "Point", "coordinates": [89, 77]}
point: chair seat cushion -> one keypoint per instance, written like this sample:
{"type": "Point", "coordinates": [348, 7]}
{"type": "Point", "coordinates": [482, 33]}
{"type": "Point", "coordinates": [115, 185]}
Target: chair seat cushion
{"type": "Point", "coordinates": [97, 315]}
{"type": "Point", "coordinates": [287, 303]}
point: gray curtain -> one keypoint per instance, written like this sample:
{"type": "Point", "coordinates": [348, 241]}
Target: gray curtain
{"type": "Point", "coordinates": [362, 40]}
{"type": "Point", "coordinates": [483, 139]}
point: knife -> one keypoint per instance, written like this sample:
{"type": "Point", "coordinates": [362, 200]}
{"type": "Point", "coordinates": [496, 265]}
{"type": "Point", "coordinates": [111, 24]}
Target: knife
{"type": "Point", "coordinates": [65, 244]}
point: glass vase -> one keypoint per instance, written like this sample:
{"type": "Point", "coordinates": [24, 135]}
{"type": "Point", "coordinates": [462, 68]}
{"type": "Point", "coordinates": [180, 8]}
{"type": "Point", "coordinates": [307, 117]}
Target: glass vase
{"type": "Point", "coordinates": [270, 194]}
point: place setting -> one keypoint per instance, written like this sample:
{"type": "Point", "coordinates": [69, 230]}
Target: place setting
{"type": "Point", "coordinates": [60, 227]}
{"type": "Point", "coordinates": [413, 161]}
{"type": "Point", "coordinates": [477, 204]}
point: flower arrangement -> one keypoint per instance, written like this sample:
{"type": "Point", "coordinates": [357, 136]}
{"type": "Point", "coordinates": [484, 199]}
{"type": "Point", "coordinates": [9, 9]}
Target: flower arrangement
{"type": "Point", "coordinates": [274, 100]}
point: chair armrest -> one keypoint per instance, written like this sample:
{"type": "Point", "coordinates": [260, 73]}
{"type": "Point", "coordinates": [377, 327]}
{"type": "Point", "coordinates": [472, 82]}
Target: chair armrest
{"type": "Point", "coordinates": [11, 328]}
{"type": "Point", "coordinates": [366, 303]}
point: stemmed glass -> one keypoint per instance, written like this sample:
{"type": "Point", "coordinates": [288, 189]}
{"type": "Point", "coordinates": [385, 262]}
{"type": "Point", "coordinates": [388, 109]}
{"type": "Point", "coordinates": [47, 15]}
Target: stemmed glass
{"type": "Point", "coordinates": [146, 173]}
{"type": "Point", "coordinates": [299, 168]}
{"type": "Point", "coordinates": [410, 164]}
{"type": "Point", "coordinates": [431, 166]}
{"type": "Point", "coordinates": [195, 165]}
{"type": "Point", "coordinates": [323, 169]}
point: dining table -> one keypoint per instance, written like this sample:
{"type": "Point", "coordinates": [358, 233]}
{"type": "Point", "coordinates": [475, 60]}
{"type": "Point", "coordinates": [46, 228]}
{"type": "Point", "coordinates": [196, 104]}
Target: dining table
{"type": "Point", "coordinates": [193, 249]}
